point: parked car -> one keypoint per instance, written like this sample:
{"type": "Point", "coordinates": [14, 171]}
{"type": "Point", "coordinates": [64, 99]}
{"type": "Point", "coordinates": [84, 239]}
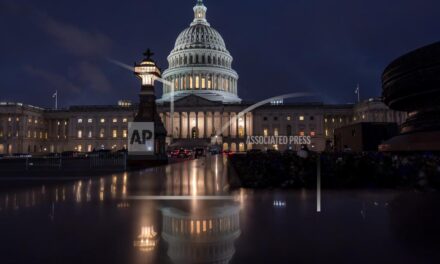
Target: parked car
{"type": "Point", "coordinates": [199, 152]}
{"type": "Point", "coordinates": [181, 153]}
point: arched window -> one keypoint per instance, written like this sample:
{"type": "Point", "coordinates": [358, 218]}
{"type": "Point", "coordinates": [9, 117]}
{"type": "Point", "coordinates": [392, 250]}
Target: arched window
{"type": "Point", "coordinates": [190, 59]}
{"type": "Point", "coordinates": [197, 58]}
{"type": "Point", "coordinates": [185, 60]}
{"type": "Point", "coordinates": [203, 59]}
{"type": "Point", "coordinates": [215, 60]}
{"type": "Point", "coordinates": [209, 59]}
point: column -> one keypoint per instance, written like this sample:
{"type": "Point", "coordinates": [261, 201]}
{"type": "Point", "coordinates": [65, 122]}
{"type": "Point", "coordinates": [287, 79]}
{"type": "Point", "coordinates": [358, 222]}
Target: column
{"type": "Point", "coordinates": [205, 127]}
{"type": "Point", "coordinates": [180, 125]}
{"type": "Point", "coordinates": [236, 126]}
{"type": "Point", "coordinates": [197, 124]}
{"type": "Point", "coordinates": [187, 125]}
{"type": "Point", "coordinates": [245, 125]}
{"type": "Point", "coordinates": [212, 122]}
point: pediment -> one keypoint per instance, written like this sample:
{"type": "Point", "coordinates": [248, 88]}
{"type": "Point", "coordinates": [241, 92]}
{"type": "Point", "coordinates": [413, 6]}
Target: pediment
{"type": "Point", "coordinates": [194, 100]}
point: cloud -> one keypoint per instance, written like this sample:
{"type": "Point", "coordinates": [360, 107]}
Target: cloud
{"type": "Point", "coordinates": [76, 40]}
{"type": "Point", "coordinates": [56, 81]}
{"type": "Point", "coordinates": [93, 77]}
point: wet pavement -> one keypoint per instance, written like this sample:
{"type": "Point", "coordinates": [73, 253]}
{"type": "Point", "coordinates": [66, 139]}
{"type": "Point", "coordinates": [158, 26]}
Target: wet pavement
{"type": "Point", "coordinates": [185, 213]}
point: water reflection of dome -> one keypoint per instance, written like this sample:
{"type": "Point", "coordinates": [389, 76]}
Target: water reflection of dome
{"type": "Point", "coordinates": [206, 236]}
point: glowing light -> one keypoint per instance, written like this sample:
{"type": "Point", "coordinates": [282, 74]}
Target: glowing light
{"type": "Point", "coordinates": [147, 240]}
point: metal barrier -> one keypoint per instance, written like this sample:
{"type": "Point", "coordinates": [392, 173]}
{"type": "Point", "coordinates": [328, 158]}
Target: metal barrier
{"type": "Point", "coordinates": [93, 161]}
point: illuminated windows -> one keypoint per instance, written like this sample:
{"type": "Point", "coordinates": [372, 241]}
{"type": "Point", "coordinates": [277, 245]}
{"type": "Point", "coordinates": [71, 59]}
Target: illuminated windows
{"type": "Point", "coordinates": [312, 133]}
{"type": "Point", "coordinates": [89, 135]}
{"type": "Point", "coordinates": [265, 132]}
{"type": "Point", "coordinates": [102, 120]}
{"type": "Point", "coordinates": [197, 82]}
{"type": "Point", "coordinates": [102, 133]}
{"type": "Point", "coordinates": [124, 133]}
{"type": "Point", "coordinates": [301, 118]}
{"type": "Point", "coordinates": [80, 120]}
{"type": "Point", "coordinates": [115, 120]}
{"type": "Point", "coordinates": [89, 120]}
{"type": "Point", "coordinates": [301, 133]}
{"type": "Point", "coordinates": [79, 133]}
{"type": "Point", "coordinates": [115, 133]}
{"type": "Point", "coordinates": [124, 120]}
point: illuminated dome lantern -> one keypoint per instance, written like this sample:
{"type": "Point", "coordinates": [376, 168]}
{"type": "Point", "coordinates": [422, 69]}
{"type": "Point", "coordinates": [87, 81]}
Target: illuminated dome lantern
{"type": "Point", "coordinates": [147, 70]}
{"type": "Point", "coordinates": [200, 64]}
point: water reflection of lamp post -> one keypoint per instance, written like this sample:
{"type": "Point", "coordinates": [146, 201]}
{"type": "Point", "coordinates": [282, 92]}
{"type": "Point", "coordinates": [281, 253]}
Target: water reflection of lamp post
{"type": "Point", "coordinates": [147, 240]}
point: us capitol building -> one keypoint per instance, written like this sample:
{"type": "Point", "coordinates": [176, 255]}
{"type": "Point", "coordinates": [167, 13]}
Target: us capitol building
{"type": "Point", "coordinates": [205, 99]}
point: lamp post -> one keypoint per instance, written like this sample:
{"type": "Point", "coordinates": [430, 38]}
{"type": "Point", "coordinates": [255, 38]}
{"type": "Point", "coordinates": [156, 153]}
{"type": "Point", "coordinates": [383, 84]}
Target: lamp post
{"type": "Point", "coordinates": [147, 132]}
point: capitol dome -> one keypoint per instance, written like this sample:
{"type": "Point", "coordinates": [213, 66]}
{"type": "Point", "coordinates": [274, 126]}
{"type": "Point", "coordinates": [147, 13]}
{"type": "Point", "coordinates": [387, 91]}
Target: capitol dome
{"type": "Point", "coordinates": [200, 64]}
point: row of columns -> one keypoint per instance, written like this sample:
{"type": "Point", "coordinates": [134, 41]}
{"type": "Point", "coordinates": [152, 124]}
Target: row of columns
{"type": "Point", "coordinates": [213, 123]}
{"type": "Point", "coordinates": [184, 226]}
{"type": "Point", "coordinates": [203, 82]}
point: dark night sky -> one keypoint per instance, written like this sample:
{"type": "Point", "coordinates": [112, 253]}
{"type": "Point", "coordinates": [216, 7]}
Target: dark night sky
{"type": "Point", "coordinates": [279, 46]}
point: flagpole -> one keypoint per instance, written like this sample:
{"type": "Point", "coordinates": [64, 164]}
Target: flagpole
{"type": "Point", "coordinates": [56, 100]}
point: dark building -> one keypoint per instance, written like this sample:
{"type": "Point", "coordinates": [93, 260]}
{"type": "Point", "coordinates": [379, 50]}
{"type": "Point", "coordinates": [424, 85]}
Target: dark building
{"type": "Point", "coordinates": [364, 136]}
{"type": "Point", "coordinates": [411, 83]}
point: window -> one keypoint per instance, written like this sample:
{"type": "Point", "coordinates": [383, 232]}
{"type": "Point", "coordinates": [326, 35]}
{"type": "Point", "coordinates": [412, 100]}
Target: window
{"type": "Point", "coordinates": [89, 148]}
{"type": "Point", "coordinates": [79, 148]}
{"type": "Point", "coordinates": [275, 118]}
{"type": "Point", "coordinates": [102, 120]}
{"type": "Point", "coordinates": [124, 133]}
{"type": "Point", "coordinates": [115, 120]}
{"type": "Point", "coordinates": [301, 133]}
{"type": "Point", "coordinates": [312, 118]}
{"type": "Point", "coordinates": [288, 118]}
{"type": "Point", "coordinates": [80, 120]}
{"type": "Point", "coordinates": [124, 120]}
{"type": "Point", "coordinates": [265, 132]}
{"type": "Point", "coordinates": [36, 121]}
{"type": "Point", "coordinates": [80, 133]}
{"type": "Point", "coordinates": [325, 120]}
{"type": "Point", "coordinates": [115, 133]}
{"type": "Point", "coordinates": [197, 82]}
{"type": "Point", "coordinates": [275, 133]}
{"type": "Point", "coordinates": [301, 118]}
{"type": "Point", "coordinates": [333, 120]}
{"type": "Point", "coordinates": [101, 133]}
{"type": "Point", "coordinates": [312, 133]}
{"type": "Point", "coordinates": [326, 132]}
{"type": "Point", "coordinates": [89, 135]}
{"type": "Point", "coordinates": [265, 118]}
{"type": "Point", "coordinates": [89, 120]}
{"type": "Point", "coordinates": [203, 83]}
{"type": "Point", "coordinates": [9, 119]}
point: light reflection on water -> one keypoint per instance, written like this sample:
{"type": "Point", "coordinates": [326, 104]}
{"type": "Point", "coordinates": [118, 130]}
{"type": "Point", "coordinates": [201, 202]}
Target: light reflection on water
{"type": "Point", "coordinates": [97, 221]}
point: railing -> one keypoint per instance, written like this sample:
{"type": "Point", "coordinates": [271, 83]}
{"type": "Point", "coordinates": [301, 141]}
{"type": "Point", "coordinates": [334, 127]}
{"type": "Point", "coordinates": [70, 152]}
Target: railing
{"type": "Point", "coordinates": [93, 161]}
